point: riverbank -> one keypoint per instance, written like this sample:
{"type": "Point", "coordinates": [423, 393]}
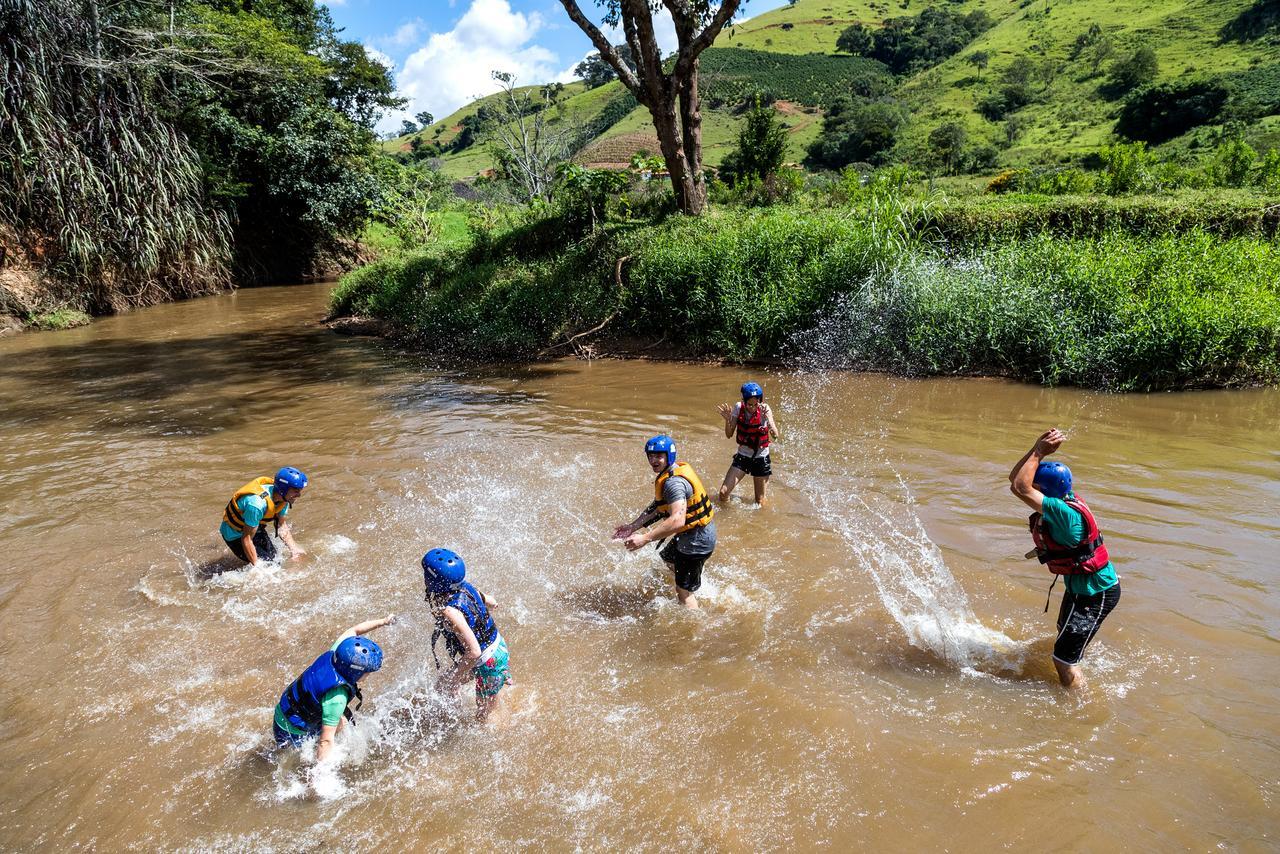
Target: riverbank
{"type": "Point", "coordinates": [1101, 298]}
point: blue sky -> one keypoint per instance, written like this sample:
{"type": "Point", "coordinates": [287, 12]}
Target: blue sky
{"type": "Point", "coordinates": [442, 51]}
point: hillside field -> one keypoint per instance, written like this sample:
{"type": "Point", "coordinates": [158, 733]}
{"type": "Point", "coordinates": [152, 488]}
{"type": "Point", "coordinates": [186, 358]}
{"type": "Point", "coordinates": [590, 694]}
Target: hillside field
{"type": "Point", "coordinates": [791, 53]}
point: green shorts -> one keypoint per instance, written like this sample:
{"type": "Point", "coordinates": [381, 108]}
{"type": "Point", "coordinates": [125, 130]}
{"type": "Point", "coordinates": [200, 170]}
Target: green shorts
{"type": "Point", "coordinates": [494, 671]}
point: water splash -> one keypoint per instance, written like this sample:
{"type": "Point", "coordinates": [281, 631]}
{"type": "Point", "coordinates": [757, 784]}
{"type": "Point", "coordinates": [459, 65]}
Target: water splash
{"type": "Point", "coordinates": [870, 507]}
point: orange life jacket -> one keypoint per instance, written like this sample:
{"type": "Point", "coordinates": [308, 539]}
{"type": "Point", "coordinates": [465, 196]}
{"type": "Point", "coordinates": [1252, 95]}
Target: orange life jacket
{"type": "Point", "coordinates": [261, 487]}
{"type": "Point", "coordinates": [698, 510]}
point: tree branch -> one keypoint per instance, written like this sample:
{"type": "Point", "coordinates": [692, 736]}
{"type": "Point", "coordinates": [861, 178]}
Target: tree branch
{"type": "Point", "coordinates": [689, 52]}
{"type": "Point", "coordinates": [606, 50]}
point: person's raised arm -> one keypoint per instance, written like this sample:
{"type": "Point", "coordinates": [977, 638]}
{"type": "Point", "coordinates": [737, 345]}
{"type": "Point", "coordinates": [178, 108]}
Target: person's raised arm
{"type": "Point", "coordinates": [728, 412]}
{"type": "Point", "coordinates": [1022, 477]}
{"type": "Point", "coordinates": [368, 626]}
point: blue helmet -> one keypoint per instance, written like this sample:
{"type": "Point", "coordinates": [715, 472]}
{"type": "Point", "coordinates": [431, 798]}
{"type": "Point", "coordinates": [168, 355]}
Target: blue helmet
{"type": "Point", "coordinates": [750, 390]}
{"type": "Point", "coordinates": [289, 477]}
{"type": "Point", "coordinates": [662, 445]}
{"type": "Point", "coordinates": [442, 571]}
{"type": "Point", "coordinates": [1053, 479]}
{"type": "Point", "coordinates": [355, 657]}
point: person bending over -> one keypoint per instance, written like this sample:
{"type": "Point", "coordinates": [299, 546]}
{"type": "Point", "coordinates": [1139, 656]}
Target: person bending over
{"type": "Point", "coordinates": [262, 500]}
{"type": "Point", "coordinates": [315, 705]}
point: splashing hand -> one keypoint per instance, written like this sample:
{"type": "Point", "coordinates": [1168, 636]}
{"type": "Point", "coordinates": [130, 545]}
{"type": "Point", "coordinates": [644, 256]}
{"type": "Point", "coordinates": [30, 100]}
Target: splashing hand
{"type": "Point", "coordinates": [726, 411]}
{"type": "Point", "coordinates": [635, 541]}
{"type": "Point", "coordinates": [1049, 442]}
{"type": "Point", "coordinates": [622, 532]}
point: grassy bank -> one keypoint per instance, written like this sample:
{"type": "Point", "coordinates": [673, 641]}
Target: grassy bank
{"type": "Point", "coordinates": [858, 287]}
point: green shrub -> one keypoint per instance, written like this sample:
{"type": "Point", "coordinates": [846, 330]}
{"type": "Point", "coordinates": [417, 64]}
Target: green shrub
{"type": "Point", "coordinates": [1077, 301]}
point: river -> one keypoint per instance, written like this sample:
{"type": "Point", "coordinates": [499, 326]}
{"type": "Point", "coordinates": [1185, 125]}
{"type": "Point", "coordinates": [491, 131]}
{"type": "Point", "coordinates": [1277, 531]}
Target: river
{"type": "Point", "coordinates": [871, 667]}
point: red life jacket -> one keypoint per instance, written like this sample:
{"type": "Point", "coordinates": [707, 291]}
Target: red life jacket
{"type": "Point", "coordinates": [1087, 557]}
{"type": "Point", "coordinates": [753, 432]}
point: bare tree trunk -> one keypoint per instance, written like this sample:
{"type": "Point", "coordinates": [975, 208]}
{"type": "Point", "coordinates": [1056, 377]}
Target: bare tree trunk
{"type": "Point", "coordinates": [671, 97]}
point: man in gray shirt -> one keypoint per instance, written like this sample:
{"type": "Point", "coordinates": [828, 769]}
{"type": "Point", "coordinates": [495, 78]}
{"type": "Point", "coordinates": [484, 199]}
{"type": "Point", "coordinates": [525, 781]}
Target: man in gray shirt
{"type": "Point", "coordinates": [687, 518]}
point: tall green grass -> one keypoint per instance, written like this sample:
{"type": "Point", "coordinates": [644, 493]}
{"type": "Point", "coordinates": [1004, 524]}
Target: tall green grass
{"type": "Point", "coordinates": [859, 288]}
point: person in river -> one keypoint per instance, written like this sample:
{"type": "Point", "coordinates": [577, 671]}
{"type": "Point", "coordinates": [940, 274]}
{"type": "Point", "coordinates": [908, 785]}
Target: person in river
{"type": "Point", "coordinates": [315, 705]}
{"type": "Point", "coordinates": [262, 500]}
{"type": "Point", "coordinates": [1068, 542]}
{"type": "Point", "coordinates": [476, 648]}
{"type": "Point", "coordinates": [752, 421]}
{"type": "Point", "coordinates": [687, 519]}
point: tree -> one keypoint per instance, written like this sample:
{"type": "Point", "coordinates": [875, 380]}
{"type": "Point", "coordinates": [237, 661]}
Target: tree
{"type": "Point", "coordinates": [529, 141]}
{"type": "Point", "coordinates": [1157, 114]}
{"type": "Point", "coordinates": [762, 146]}
{"type": "Point", "coordinates": [668, 91]}
{"type": "Point", "coordinates": [856, 130]}
{"type": "Point", "coordinates": [979, 59]}
{"type": "Point", "coordinates": [595, 71]}
{"type": "Point", "coordinates": [407, 127]}
{"type": "Point", "coordinates": [946, 142]}
{"type": "Point", "coordinates": [425, 119]}
{"type": "Point", "coordinates": [856, 40]}
{"type": "Point", "coordinates": [1137, 69]}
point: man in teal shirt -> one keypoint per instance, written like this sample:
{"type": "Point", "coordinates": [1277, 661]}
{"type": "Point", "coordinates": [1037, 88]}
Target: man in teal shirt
{"type": "Point", "coordinates": [1068, 542]}
{"type": "Point", "coordinates": [262, 500]}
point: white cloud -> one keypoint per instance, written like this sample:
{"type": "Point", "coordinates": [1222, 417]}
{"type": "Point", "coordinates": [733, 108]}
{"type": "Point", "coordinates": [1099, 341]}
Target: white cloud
{"type": "Point", "coordinates": [407, 34]}
{"type": "Point", "coordinates": [455, 67]}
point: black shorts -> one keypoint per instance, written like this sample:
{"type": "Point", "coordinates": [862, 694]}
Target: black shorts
{"type": "Point", "coordinates": [688, 568]}
{"type": "Point", "coordinates": [261, 541]}
{"type": "Point", "coordinates": [754, 466]}
{"type": "Point", "coordinates": [1079, 619]}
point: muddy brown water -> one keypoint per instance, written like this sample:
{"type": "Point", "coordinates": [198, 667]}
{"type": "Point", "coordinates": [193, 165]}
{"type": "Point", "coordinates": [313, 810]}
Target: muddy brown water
{"type": "Point", "coordinates": [871, 668]}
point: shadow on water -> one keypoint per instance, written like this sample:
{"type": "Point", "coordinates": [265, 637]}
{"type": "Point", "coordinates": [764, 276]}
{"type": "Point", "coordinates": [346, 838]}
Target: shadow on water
{"type": "Point", "coordinates": [611, 601]}
{"type": "Point", "coordinates": [226, 379]}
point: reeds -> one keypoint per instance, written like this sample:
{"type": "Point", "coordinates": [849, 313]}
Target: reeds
{"type": "Point", "coordinates": [104, 195]}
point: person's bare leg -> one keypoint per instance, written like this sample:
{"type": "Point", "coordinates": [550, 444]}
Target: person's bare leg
{"type": "Point", "coordinates": [1070, 675]}
{"type": "Point", "coordinates": [490, 708]}
{"type": "Point", "coordinates": [731, 479]}
{"type": "Point", "coordinates": [761, 483]}
{"type": "Point", "coordinates": [687, 599]}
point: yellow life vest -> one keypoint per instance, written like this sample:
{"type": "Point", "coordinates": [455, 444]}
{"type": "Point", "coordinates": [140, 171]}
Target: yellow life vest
{"type": "Point", "coordinates": [261, 487]}
{"type": "Point", "coordinates": [698, 510]}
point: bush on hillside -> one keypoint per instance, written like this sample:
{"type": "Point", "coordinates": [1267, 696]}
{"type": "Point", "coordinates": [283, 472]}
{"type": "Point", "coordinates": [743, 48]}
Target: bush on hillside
{"type": "Point", "coordinates": [1157, 114]}
{"type": "Point", "coordinates": [762, 147]}
{"type": "Point", "coordinates": [908, 44]}
{"type": "Point", "coordinates": [856, 130]}
{"type": "Point", "coordinates": [1128, 73]}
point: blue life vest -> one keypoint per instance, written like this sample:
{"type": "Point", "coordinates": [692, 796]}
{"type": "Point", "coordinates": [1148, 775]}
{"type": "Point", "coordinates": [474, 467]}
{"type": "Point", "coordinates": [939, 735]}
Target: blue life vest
{"type": "Point", "coordinates": [468, 601]}
{"type": "Point", "coordinates": [302, 702]}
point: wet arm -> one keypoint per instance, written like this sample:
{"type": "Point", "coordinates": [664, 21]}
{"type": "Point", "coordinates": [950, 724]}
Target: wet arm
{"type": "Point", "coordinates": [773, 425]}
{"type": "Point", "coordinates": [1022, 477]}
{"type": "Point", "coordinates": [246, 541]}
{"type": "Point", "coordinates": [325, 745]}
{"type": "Point", "coordinates": [471, 649]}
{"type": "Point", "coordinates": [668, 526]}
{"type": "Point", "coordinates": [285, 532]}
{"type": "Point", "coordinates": [368, 626]}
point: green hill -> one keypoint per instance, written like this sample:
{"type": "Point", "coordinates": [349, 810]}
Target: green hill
{"type": "Point", "coordinates": [790, 53]}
